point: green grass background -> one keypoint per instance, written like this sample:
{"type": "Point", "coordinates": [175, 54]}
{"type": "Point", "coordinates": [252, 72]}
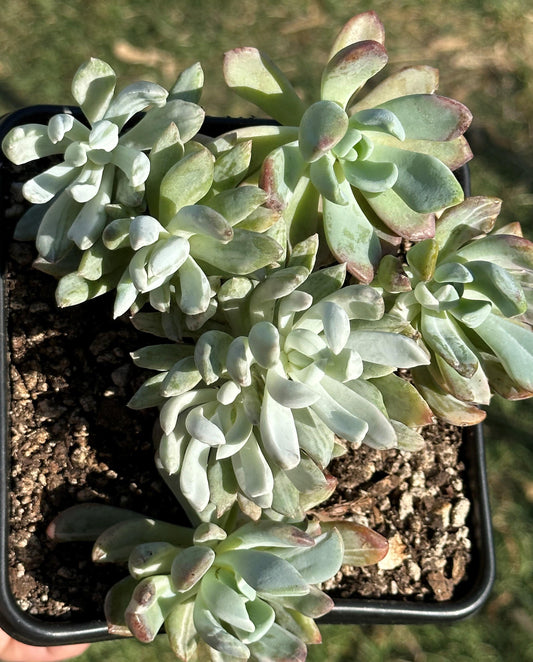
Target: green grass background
{"type": "Point", "coordinates": [484, 50]}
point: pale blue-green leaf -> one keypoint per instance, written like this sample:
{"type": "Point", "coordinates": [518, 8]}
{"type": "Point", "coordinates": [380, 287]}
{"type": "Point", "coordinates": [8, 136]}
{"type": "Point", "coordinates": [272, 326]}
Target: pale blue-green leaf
{"type": "Point", "coordinates": [350, 236]}
{"type": "Point", "coordinates": [177, 404]}
{"type": "Point", "coordinates": [151, 602]}
{"type": "Point", "coordinates": [87, 182]}
{"type": "Point", "coordinates": [232, 166]}
{"type": "Point", "coordinates": [210, 354]}
{"type": "Point", "coordinates": [149, 394]}
{"type": "Point", "coordinates": [42, 188]}
{"type": "Point", "coordinates": [322, 126]}
{"type": "Point", "coordinates": [195, 288]}
{"type": "Point", "coordinates": [186, 183]}
{"type": "Point", "coordinates": [264, 344]}
{"type": "Point", "coordinates": [336, 325]}
{"type": "Point", "coordinates": [134, 98]}
{"type": "Point", "coordinates": [267, 573]}
{"type": "Point", "coordinates": [86, 521]}
{"type": "Point", "coordinates": [126, 295]}
{"type": "Point", "coordinates": [144, 231]}
{"type": "Point", "coordinates": [278, 433]}
{"type": "Point", "coordinates": [193, 475]}
{"type": "Point", "coordinates": [267, 534]}
{"type": "Point", "coordinates": [247, 252]}
{"type": "Point", "coordinates": [452, 272]}
{"type": "Point", "coordinates": [181, 633]}
{"type": "Point", "coordinates": [315, 604]}
{"type": "Point", "coordinates": [212, 632]}
{"type": "Point", "coordinates": [103, 136]}
{"type": "Point", "coordinates": [199, 219]}
{"type": "Point", "coordinates": [152, 558]}
{"type": "Point", "coordinates": [474, 389]}
{"type": "Point", "coordinates": [472, 313]}
{"type": "Point", "coordinates": [253, 473]}
{"type": "Point", "coordinates": [380, 433]}
{"type": "Point", "coordinates": [52, 239]}
{"type": "Point", "coordinates": [238, 361]}
{"type": "Point", "coordinates": [512, 342]}
{"type": "Point", "coordinates": [188, 117]}
{"type": "Point", "coordinates": [430, 117]}
{"type": "Point", "coordinates": [306, 342]}
{"type": "Point", "coordinates": [172, 447]}
{"type": "Point", "coordinates": [93, 87]}
{"type": "Point", "coordinates": [378, 119]}
{"type": "Point", "coordinates": [285, 498]}
{"type": "Point", "coordinates": [294, 302]}
{"type": "Point", "coordinates": [29, 142]}
{"type": "Point", "coordinates": [325, 179]}
{"type": "Point", "coordinates": [453, 153]}
{"type": "Point", "coordinates": [279, 645]}
{"type": "Point", "coordinates": [202, 428]}
{"type": "Point", "coordinates": [339, 420]}
{"type": "Point", "coordinates": [350, 68]}
{"type": "Point", "coordinates": [237, 204]}
{"type": "Point", "coordinates": [498, 286]}
{"type": "Point", "coordinates": [254, 77]}
{"type": "Point", "coordinates": [237, 435]}
{"type": "Point", "coordinates": [418, 79]}
{"type": "Point", "coordinates": [133, 163]}
{"type": "Point", "coordinates": [344, 366]}
{"type": "Point", "coordinates": [314, 437]}
{"type": "Point", "coordinates": [188, 85]}
{"type": "Point", "coordinates": [360, 27]}
{"type": "Point", "coordinates": [504, 250]}
{"type": "Point", "coordinates": [88, 225]}
{"type": "Point", "coordinates": [165, 258]}
{"type": "Point", "coordinates": [64, 124]}
{"type": "Point", "coordinates": [324, 282]}
{"type": "Point", "coordinates": [189, 566]}
{"type": "Point", "coordinates": [424, 183]}
{"type": "Point", "coordinates": [370, 176]}
{"type": "Point", "coordinates": [224, 602]}
{"type": "Point", "coordinates": [307, 477]}
{"type": "Point", "coordinates": [458, 225]}
{"type": "Point", "coordinates": [281, 172]}
{"type": "Point", "coordinates": [319, 563]}
{"type": "Point", "coordinates": [182, 377]}
{"type": "Point", "coordinates": [262, 616]}
{"type": "Point", "coordinates": [402, 401]}
{"type": "Point", "coordinates": [442, 334]}
{"type": "Point", "coordinates": [279, 284]}
{"type": "Point", "coordinates": [28, 224]}
{"type": "Point", "coordinates": [287, 392]}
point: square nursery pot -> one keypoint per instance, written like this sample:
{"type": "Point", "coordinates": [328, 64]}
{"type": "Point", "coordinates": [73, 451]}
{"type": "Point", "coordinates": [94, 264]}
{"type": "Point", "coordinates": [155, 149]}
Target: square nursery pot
{"type": "Point", "coordinates": [80, 624]}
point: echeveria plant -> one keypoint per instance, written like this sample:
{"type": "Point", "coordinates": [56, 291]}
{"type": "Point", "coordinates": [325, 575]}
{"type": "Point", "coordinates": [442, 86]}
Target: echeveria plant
{"type": "Point", "coordinates": [317, 283]}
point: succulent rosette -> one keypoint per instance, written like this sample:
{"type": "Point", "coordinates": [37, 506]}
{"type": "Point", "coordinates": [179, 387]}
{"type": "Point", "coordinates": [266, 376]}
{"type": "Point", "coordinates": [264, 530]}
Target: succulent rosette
{"type": "Point", "coordinates": [381, 166]}
{"type": "Point", "coordinates": [467, 292]}
{"type": "Point", "coordinates": [250, 593]}
{"type": "Point", "coordinates": [104, 160]}
{"type": "Point", "coordinates": [307, 359]}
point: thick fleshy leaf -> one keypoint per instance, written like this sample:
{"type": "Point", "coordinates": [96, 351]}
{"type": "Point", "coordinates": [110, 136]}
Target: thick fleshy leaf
{"type": "Point", "coordinates": [341, 421]}
{"type": "Point", "coordinates": [422, 257]}
{"type": "Point", "coordinates": [267, 534]}
{"type": "Point", "coordinates": [151, 558]}
{"type": "Point", "coordinates": [190, 565]}
{"type": "Point", "coordinates": [377, 119]}
{"type": "Point", "coordinates": [134, 98]}
{"type": "Point", "coordinates": [237, 204]}
{"type": "Point", "coordinates": [504, 250]}
{"type": "Point", "coordinates": [29, 142]}
{"type": "Point", "coordinates": [149, 394]}
{"type": "Point", "coordinates": [180, 630]}
{"type": "Point", "coordinates": [262, 616]}
{"type": "Point", "coordinates": [459, 224]}
{"type": "Point", "coordinates": [267, 573]}
{"type": "Point", "coordinates": [350, 236]}
{"type": "Point", "coordinates": [279, 284]}
{"type": "Point", "coordinates": [144, 231]}
{"type": "Point", "coordinates": [444, 337]}
{"type": "Point", "coordinates": [254, 77]}
{"type": "Point", "coordinates": [188, 85]}
{"type": "Point", "coordinates": [512, 343]}
{"type": "Point", "coordinates": [419, 79]}
{"type": "Point", "coordinates": [175, 405]}
{"type": "Point", "coordinates": [430, 117]}
{"type": "Point", "coordinates": [452, 272]}
{"type": "Point", "coordinates": [200, 427]}
{"type": "Point", "coordinates": [475, 389]}
{"type": "Point", "coordinates": [93, 86]}
{"type": "Point", "coordinates": [87, 182]}
{"type": "Point", "coordinates": [87, 521]}
{"type": "Point", "coordinates": [43, 187]}
{"type": "Point", "coordinates": [188, 117]}
{"type": "Point", "coordinates": [186, 183]}
{"type": "Point", "coordinates": [403, 402]}
{"type": "Point", "coordinates": [453, 153]}
{"type": "Point", "coordinates": [350, 68]}
{"type": "Point", "coordinates": [212, 632]}
{"type": "Point", "coordinates": [279, 645]}
{"type": "Point", "coordinates": [498, 286]}
{"type": "Point", "coordinates": [253, 473]}
{"type": "Point", "coordinates": [471, 313]}
{"type": "Point", "coordinates": [287, 392]}
{"type": "Point", "coordinates": [264, 344]}
{"type": "Point", "coordinates": [224, 602]}
{"type": "Point", "coordinates": [370, 176]}
{"type": "Point", "coordinates": [424, 182]}
{"type": "Point", "coordinates": [278, 433]}
{"type": "Point", "coordinates": [323, 125]}
{"type": "Point", "coordinates": [115, 605]}
{"type": "Point", "coordinates": [193, 475]}
{"type": "Point", "coordinates": [319, 563]}
{"type": "Point", "coordinates": [324, 177]}
{"type": "Point", "coordinates": [195, 288]}
{"type": "Point", "coordinates": [52, 240]}
{"type": "Point", "coordinates": [244, 254]}
{"type": "Point", "coordinates": [182, 377]}
{"type": "Point", "coordinates": [199, 219]}
{"type": "Point", "coordinates": [315, 604]}
{"type": "Point", "coordinates": [88, 225]}
{"type": "Point", "coordinates": [210, 354]}
{"type": "Point", "coordinates": [362, 546]}
{"type": "Point", "coordinates": [231, 167]}
{"type": "Point", "coordinates": [359, 28]}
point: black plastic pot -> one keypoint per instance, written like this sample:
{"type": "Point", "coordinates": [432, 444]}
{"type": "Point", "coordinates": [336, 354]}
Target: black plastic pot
{"type": "Point", "coordinates": [469, 597]}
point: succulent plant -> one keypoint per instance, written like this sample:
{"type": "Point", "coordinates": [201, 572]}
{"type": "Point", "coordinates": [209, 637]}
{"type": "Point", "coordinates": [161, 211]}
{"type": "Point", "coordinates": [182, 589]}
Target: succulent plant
{"type": "Point", "coordinates": [467, 292]}
{"type": "Point", "coordinates": [380, 166]}
{"type": "Point", "coordinates": [252, 412]}
{"type": "Point", "coordinates": [104, 159]}
{"type": "Point", "coordinates": [248, 591]}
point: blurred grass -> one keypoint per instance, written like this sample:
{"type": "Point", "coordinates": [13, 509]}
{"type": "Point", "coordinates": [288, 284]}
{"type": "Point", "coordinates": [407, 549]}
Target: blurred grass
{"type": "Point", "coordinates": [484, 50]}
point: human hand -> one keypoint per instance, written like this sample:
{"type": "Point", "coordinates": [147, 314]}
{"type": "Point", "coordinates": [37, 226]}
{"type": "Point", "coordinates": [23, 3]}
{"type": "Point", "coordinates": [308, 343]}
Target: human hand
{"type": "Point", "coordinates": [12, 650]}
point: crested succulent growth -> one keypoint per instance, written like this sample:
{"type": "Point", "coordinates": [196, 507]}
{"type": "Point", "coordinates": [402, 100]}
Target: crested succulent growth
{"type": "Point", "coordinates": [247, 591]}
{"type": "Point", "coordinates": [295, 272]}
{"type": "Point", "coordinates": [380, 163]}
{"type": "Point", "coordinates": [303, 360]}
{"type": "Point", "coordinates": [469, 297]}
{"type": "Point", "coordinates": [104, 161]}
